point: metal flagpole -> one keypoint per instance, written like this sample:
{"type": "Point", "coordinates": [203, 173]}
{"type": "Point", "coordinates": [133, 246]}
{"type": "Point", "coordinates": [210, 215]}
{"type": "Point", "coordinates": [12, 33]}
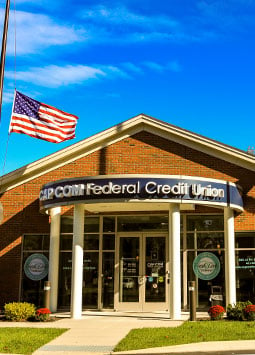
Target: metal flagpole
{"type": "Point", "coordinates": [2, 64]}
{"type": "Point", "coordinates": [3, 53]}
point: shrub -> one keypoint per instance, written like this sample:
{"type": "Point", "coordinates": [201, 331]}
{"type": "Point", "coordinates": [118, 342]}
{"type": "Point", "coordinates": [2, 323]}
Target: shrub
{"type": "Point", "coordinates": [19, 311]}
{"type": "Point", "coordinates": [236, 312]}
{"type": "Point", "coordinates": [216, 312]}
{"type": "Point", "coordinates": [42, 314]}
{"type": "Point", "coordinates": [249, 312]}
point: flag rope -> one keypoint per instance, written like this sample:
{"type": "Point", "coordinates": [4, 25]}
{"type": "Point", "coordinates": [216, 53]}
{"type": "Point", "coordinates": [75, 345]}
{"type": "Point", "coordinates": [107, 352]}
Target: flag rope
{"type": "Point", "coordinates": [5, 158]}
{"type": "Point", "coordinates": [15, 45]}
{"type": "Point", "coordinates": [3, 53]}
{"type": "Point", "coordinates": [15, 70]}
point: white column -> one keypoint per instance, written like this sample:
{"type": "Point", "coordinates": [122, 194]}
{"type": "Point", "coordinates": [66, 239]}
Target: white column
{"type": "Point", "coordinates": [77, 262]}
{"type": "Point", "coordinates": [230, 270]}
{"type": "Point", "coordinates": [175, 262]}
{"type": "Point", "coordinates": [55, 214]}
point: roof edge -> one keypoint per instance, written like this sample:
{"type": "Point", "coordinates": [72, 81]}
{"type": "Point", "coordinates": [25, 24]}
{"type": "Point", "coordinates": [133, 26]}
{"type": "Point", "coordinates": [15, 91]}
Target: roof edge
{"type": "Point", "coordinates": [119, 131]}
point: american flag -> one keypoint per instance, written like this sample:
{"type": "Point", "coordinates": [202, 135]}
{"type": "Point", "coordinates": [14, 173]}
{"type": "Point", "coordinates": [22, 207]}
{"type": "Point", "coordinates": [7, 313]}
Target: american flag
{"type": "Point", "coordinates": [41, 121]}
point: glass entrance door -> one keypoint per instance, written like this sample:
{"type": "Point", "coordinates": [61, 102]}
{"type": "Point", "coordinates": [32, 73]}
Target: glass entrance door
{"type": "Point", "coordinates": [142, 272]}
{"type": "Point", "coordinates": [107, 300]}
{"type": "Point", "coordinates": [129, 269]}
{"type": "Point", "coordinates": [155, 269]}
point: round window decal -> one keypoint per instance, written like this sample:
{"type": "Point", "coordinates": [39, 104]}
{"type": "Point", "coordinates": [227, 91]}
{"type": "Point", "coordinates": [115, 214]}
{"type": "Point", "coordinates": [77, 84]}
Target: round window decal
{"type": "Point", "coordinates": [36, 267]}
{"type": "Point", "coordinates": [206, 266]}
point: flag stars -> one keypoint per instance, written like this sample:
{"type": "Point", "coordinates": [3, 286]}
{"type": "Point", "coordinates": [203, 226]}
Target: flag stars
{"type": "Point", "coordinates": [26, 106]}
{"type": "Point", "coordinates": [41, 121]}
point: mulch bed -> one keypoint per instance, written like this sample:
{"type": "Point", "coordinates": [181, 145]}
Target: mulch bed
{"type": "Point", "coordinates": [32, 320]}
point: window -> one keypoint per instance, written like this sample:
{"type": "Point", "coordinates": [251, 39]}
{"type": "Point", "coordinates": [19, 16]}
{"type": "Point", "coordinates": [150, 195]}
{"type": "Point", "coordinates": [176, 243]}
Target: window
{"type": "Point", "coordinates": [205, 223]}
{"type": "Point", "coordinates": [203, 233]}
{"type": "Point", "coordinates": [32, 290]}
{"type": "Point", "coordinates": [142, 223]}
{"type": "Point", "coordinates": [245, 266]}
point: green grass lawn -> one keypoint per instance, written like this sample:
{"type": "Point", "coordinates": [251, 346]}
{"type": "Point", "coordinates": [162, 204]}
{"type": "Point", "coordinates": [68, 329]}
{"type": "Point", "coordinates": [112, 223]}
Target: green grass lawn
{"type": "Point", "coordinates": [26, 340]}
{"type": "Point", "coordinates": [188, 332]}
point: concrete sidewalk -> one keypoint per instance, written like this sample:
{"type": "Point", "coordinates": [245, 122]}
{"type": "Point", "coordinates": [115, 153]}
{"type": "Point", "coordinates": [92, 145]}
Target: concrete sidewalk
{"type": "Point", "coordinates": [221, 347]}
{"type": "Point", "coordinates": [97, 333]}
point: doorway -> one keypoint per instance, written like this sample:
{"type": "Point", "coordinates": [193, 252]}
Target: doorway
{"type": "Point", "coordinates": [142, 271]}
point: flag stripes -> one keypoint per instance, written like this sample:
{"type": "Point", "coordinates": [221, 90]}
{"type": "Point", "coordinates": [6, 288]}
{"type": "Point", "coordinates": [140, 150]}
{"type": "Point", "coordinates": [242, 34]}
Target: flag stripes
{"type": "Point", "coordinates": [22, 123]}
{"type": "Point", "coordinates": [41, 121]}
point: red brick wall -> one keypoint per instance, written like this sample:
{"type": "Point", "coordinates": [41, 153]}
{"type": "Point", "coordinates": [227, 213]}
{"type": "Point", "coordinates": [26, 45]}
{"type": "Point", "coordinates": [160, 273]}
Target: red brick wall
{"type": "Point", "coordinates": [143, 153]}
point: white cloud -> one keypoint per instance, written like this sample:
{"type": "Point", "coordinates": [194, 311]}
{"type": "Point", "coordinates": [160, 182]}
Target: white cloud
{"type": "Point", "coordinates": [206, 20]}
{"type": "Point", "coordinates": [132, 67]}
{"type": "Point", "coordinates": [122, 26]}
{"type": "Point", "coordinates": [226, 18]}
{"type": "Point", "coordinates": [8, 96]}
{"type": "Point", "coordinates": [170, 66]}
{"type": "Point", "coordinates": [113, 95]}
{"type": "Point", "coordinates": [174, 66]}
{"type": "Point", "coordinates": [54, 76]}
{"type": "Point", "coordinates": [154, 66]}
{"type": "Point", "coordinates": [30, 1]}
{"type": "Point", "coordinates": [120, 15]}
{"type": "Point", "coordinates": [113, 71]}
{"type": "Point", "coordinates": [35, 32]}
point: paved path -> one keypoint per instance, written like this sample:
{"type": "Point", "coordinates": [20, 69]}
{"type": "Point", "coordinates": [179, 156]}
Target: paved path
{"type": "Point", "coordinates": [97, 333]}
{"type": "Point", "coordinates": [221, 347]}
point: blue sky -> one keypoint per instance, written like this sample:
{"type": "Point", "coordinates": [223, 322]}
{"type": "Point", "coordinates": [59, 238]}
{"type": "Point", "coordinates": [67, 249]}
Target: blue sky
{"type": "Point", "coordinates": [187, 62]}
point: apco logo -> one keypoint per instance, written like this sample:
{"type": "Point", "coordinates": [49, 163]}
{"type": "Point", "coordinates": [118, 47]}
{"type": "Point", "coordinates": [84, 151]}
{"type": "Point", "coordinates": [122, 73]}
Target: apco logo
{"type": "Point", "coordinates": [36, 267]}
{"type": "Point", "coordinates": [206, 266]}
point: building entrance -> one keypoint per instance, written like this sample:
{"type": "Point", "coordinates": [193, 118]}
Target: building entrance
{"type": "Point", "coordinates": [98, 280]}
{"type": "Point", "coordinates": [142, 269]}
{"type": "Point", "coordinates": [125, 262]}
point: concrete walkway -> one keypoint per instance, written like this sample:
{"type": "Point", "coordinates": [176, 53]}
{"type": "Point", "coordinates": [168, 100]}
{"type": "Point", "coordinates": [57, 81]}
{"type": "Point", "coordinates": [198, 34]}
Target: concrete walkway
{"type": "Point", "coordinates": [221, 347]}
{"type": "Point", "coordinates": [97, 333]}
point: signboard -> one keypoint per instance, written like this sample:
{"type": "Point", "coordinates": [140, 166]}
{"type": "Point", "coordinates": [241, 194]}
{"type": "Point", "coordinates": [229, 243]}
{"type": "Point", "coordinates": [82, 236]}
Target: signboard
{"type": "Point", "coordinates": [165, 188]}
{"type": "Point", "coordinates": [206, 266]}
{"type": "Point", "coordinates": [130, 266]}
{"type": "Point", "coordinates": [246, 262]}
{"type": "Point", "coordinates": [36, 267]}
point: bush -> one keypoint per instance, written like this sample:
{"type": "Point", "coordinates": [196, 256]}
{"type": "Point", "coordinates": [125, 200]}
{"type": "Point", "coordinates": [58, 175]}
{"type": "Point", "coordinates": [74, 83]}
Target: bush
{"type": "Point", "coordinates": [42, 314]}
{"type": "Point", "coordinates": [216, 312]}
{"type": "Point", "coordinates": [236, 312]}
{"type": "Point", "coordinates": [19, 311]}
{"type": "Point", "coordinates": [249, 312]}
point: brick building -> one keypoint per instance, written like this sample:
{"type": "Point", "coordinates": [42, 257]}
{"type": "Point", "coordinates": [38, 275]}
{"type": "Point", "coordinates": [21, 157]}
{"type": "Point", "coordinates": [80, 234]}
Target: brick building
{"type": "Point", "coordinates": [126, 218]}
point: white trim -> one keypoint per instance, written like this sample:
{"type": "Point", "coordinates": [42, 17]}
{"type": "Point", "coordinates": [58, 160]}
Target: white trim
{"type": "Point", "coordinates": [205, 203]}
{"type": "Point", "coordinates": [119, 176]}
{"type": "Point", "coordinates": [120, 132]}
{"type": "Point", "coordinates": [229, 245]}
{"type": "Point", "coordinates": [202, 143]}
{"type": "Point", "coordinates": [236, 207]}
{"type": "Point", "coordinates": [175, 262]}
{"type": "Point", "coordinates": [77, 262]}
{"type": "Point", "coordinates": [54, 256]}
